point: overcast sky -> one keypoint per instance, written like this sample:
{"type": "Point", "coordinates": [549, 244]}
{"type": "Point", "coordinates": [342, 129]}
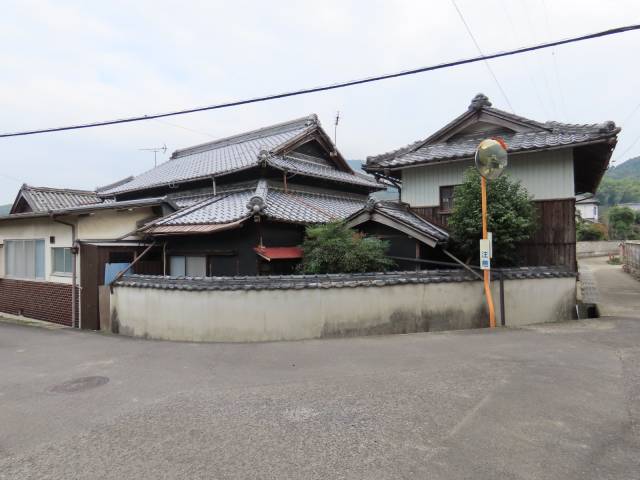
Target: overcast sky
{"type": "Point", "coordinates": [68, 62]}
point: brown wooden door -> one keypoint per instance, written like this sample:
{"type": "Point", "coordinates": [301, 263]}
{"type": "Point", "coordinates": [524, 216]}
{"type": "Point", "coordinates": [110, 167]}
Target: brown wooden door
{"type": "Point", "coordinates": [89, 271]}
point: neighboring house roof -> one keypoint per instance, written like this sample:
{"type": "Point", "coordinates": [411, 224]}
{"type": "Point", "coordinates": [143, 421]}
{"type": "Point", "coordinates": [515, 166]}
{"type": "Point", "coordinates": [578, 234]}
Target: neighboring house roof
{"type": "Point", "coordinates": [459, 139]}
{"type": "Point", "coordinates": [230, 208]}
{"type": "Point", "coordinates": [43, 199]}
{"type": "Point", "coordinates": [400, 217]}
{"type": "Point", "coordinates": [586, 200]}
{"type": "Point", "coordinates": [121, 205]}
{"type": "Point", "coordinates": [241, 152]}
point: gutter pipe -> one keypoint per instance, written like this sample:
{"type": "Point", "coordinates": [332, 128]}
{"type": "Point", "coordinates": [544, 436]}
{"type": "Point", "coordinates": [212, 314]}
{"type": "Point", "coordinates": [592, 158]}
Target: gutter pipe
{"type": "Point", "coordinates": [74, 279]}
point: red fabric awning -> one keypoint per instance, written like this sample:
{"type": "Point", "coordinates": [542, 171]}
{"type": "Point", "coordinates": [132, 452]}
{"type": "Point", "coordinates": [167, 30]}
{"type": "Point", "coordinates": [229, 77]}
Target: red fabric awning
{"type": "Point", "coordinates": [279, 253]}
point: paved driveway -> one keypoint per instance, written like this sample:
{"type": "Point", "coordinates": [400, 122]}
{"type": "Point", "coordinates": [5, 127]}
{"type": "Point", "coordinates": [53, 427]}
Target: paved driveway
{"type": "Point", "coordinates": [555, 401]}
{"type": "Point", "coordinates": [618, 292]}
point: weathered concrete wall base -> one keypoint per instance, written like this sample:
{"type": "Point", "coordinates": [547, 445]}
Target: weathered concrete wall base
{"type": "Point", "coordinates": [295, 314]}
{"type": "Point", "coordinates": [597, 248]}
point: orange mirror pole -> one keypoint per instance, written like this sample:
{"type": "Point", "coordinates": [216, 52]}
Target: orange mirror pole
{"type": "Point", "coordinates": [487, 290]}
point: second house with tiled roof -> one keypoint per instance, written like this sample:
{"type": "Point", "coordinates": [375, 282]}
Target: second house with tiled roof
{"type": "Point", "coordinates": [554, 161]}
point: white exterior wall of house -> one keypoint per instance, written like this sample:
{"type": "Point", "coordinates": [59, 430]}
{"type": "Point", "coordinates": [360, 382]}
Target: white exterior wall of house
{"type": "Point", "coordinates": [588, 211]}
{"type": "Point", "coordinates": [546, 175]}
{"type": "Point", "coordinates": [105, 225]}
{"type": "Point", "coordinates": [37, 229]}
{"type": "Point", "coordinates": [111, 224]}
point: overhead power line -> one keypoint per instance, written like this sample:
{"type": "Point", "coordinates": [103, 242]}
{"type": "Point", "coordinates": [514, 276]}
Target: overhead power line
{"type": "Point", "coordinates": [473, 38]}
{"type": "Point", "coordinates": [481, 58]}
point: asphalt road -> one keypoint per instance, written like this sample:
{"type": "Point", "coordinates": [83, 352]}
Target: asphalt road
{"type": "Point", "coordinates": [555, 401]}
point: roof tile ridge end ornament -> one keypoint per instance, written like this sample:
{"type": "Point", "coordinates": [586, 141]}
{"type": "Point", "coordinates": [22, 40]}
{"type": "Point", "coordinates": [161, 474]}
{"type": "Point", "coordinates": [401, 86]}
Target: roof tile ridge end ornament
{"type": "Point", "coordinates": [258, 201]}
{"type": "Point", "coordinates": [306, 121]}
{"type": "Point", "coordinates": [371, 204]}
{"type": "Point", "coordinates": [479, 101]}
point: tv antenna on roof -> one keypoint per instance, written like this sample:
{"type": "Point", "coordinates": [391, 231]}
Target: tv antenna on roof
{"type": "Point", "coordinates": [335, 129]}
{"type": "Point", "coordinates": [155, 151]}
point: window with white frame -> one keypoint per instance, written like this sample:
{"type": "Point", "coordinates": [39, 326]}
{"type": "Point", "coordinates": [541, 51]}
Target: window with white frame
{"type": "Point", "coordinates": [61, 260]}
{"type": "Point", "coordinates": [24, 258]}
{"type": "Point", "coordinates": [189, 266]}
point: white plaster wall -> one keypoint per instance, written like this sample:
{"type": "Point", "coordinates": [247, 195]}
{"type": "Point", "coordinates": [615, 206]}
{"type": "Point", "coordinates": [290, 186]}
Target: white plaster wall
{"type": "Point", "coordinates": [261, 315]}
{"type": "Point", "coordinates": [110, 224]}
{"type": "Point", "coordinates": [546, 175]}
{"type": "Point", "coordinates": [37, 228]}
{"type": "Point", "coordinates": [588, 211]}
{"type": "Point", "coordinates": [107, 225]}
{"type": "Point", "coordinates": [532, 301]}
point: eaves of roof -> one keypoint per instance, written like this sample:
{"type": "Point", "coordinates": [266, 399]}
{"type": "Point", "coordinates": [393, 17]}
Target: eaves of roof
{"type": "Point", "coordinates": [124, 205]}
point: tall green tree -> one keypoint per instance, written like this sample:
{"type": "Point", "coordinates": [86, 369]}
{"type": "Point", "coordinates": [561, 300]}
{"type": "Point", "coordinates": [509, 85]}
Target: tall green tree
{"type": "Point", "coordinates": [511, 217]}
{"type": "Point", "coordinates": [334, 248]}
{"type": "Point", "coordinates": [621, 220]}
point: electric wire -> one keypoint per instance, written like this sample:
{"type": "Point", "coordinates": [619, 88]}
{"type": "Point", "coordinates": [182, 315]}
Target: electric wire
{"type": "Point", "coordinates": [349, 83]}
{"type": "Point", "coordinates": [473, 38]}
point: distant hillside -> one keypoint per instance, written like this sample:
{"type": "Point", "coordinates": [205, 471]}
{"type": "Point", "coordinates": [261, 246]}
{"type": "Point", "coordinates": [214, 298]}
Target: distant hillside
{"type": "Point", "coordinates": [4, 209]}
{"type": "Point", "coordinates": [620, 184]}
{"type": "Point", "coordinates": [628, 169]}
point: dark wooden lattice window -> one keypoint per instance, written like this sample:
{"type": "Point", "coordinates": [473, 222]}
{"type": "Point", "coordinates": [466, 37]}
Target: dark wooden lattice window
{"type": "Point", "coordinates": [446, 198]}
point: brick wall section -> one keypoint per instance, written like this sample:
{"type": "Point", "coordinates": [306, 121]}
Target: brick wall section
{"type": "Point", "coordinates": [46, 301]}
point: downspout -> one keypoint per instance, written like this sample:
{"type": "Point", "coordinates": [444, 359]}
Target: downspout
{"type": "Point", "coordinates": [74, 279]}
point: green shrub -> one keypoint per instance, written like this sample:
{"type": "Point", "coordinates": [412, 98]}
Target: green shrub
{"type": "Point", "coordinates": [621, 223]}
{"type": "Point", "coordinates": [334, 248]}
{"type": "Point", "coordinates": [511, 217]}
{"type": "Point", "coordinates": [586, 231]}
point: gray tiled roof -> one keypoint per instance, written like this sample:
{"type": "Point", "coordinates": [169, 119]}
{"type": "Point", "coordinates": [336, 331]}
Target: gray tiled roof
{"type": "Point", "coordinates": [222, 208]}
{"type": "Point", "coordinates": [295, 206]}
{"type": "Point", "coordinates": [306, 207]}
{"type": "Point", "coordinates": [214, 158]}
{"type": "Point", "coordinates": [353, 280]}
{"type": "Point", "coordinates": [537, 136]}
{"type": "Point", "coordinates": [43, 199]}
{"type": "Point", "coordinates": [295, 165]}
{"type": "Point", "coordinates": [401, 213]}
{"type": "Point", "coordinates": [106, 205]}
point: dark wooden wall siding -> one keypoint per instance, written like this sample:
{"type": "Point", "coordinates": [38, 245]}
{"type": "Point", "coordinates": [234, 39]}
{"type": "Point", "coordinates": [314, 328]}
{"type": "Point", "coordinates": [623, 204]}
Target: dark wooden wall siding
{"type": "Point", "coordinates": [555, 241]}
{"type": "Point", "coordinates": [432, 214]}
{"type": "Point", "coordinates": [553, 244]}
{"type": "Point", "coordinates": [231, 252]}
{"type": "Point", "coordinates": [401, 245]}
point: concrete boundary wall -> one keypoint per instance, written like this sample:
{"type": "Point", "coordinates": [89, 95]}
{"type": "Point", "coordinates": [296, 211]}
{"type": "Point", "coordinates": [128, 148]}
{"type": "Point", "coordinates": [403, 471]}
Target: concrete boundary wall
{"type": "Point", "coordinates": [187, 312]}
{"type": "Point", "coordinates": [597, 248]}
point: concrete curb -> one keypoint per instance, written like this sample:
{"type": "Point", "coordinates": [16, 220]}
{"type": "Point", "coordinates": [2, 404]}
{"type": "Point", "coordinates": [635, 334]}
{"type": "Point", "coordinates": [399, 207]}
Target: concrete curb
{"type": "Point", "coordinates": [29, 322]}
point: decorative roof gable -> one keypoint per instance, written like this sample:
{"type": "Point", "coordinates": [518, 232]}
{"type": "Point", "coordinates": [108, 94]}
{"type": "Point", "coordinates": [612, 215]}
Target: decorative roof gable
{"type": "Point", "coordinates": [458, 139]}
{"type": "Point", "coordinates": [242, 152]}
{"type": "Point", "coordinates": [44, 199]}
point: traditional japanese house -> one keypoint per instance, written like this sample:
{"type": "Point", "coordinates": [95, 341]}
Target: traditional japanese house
{"type": "Point", "coordinates": [245, 200]}
{"type": "Point", "coordinates": [234, 206]}
{"type": "Point", "coordinates": [554, 161]}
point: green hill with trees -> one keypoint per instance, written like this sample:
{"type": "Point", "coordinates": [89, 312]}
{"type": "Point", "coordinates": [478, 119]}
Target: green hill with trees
{"type": "Point", "coordinates": [628, 169]}
{"type": "Point", "coordinates": [621, 184]}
